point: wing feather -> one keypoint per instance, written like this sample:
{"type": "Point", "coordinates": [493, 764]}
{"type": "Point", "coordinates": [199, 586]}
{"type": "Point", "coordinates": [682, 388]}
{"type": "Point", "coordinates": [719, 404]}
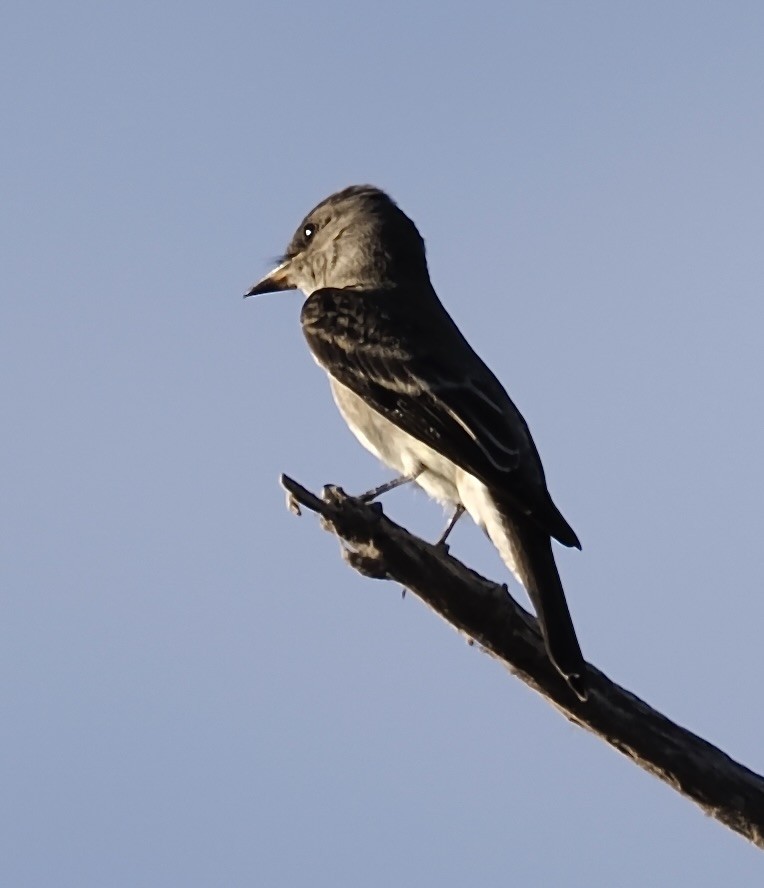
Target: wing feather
{"type": "Point", "coordinates": [430, 383]}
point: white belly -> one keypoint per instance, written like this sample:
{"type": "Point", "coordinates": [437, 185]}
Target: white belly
{"type": "Point", "coordinates": [439, 477]}
{"type": "Point", "coordinates": [397, 448]}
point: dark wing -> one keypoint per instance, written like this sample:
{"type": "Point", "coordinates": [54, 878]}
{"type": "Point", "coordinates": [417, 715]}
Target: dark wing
{"type": "Point", "coordinates": [416, 369]}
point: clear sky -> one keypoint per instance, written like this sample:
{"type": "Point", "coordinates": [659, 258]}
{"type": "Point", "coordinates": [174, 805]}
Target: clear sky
{"type": "Point", "coordinates": [194, 690]}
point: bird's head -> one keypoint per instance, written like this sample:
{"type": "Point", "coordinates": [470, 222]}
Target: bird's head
{"type": "Point", "coordinates": [358, 239]}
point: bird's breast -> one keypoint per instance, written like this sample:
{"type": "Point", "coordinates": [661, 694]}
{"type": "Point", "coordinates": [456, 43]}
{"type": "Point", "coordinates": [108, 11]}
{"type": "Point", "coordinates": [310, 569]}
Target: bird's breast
{"type": "Point", "coordinates": [397, 449]}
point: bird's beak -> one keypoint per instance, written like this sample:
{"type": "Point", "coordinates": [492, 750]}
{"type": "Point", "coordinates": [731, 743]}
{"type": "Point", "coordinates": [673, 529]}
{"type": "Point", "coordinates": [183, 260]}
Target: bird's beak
{"type": "Point", "coordinates": [275, 281]}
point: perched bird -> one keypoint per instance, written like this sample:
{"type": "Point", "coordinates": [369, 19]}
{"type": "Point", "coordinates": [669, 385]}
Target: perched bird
{"type": "Point", "coordinates": [419, 398]}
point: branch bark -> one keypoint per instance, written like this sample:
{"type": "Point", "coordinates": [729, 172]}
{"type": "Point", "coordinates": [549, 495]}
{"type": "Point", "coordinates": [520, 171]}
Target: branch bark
{"type": "Point", "coordinates": [486, 613]}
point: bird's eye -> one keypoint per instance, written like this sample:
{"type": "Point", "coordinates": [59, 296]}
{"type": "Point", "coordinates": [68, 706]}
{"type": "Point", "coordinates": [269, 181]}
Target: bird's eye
{"type": "Point", "coordinates": [308, 231]}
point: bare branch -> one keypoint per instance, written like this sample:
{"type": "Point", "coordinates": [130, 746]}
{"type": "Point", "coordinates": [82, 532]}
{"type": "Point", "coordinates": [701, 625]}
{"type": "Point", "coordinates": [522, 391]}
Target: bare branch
{"type": "Point", "coordinates": [484, 611]}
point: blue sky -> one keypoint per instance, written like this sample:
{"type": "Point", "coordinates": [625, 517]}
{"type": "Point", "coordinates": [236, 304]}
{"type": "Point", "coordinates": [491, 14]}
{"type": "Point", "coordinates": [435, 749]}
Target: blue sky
{"type": "Point", "coordinates": [194, 689]}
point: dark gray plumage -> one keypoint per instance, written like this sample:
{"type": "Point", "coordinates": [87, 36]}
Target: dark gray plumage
{"type": "Point", "coordinates": [416, 395]}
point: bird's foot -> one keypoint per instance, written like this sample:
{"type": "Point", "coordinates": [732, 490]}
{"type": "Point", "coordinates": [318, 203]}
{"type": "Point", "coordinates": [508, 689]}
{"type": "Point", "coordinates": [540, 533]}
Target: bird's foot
{"type": "Point", "coordinates": [375, 492]}
{"type": "Point", "coordinates": [441, 542]}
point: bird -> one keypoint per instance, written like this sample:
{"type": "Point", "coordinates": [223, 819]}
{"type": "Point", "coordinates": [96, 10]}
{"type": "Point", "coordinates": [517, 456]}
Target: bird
{"type": "Point", "coordinates": [416, 395]}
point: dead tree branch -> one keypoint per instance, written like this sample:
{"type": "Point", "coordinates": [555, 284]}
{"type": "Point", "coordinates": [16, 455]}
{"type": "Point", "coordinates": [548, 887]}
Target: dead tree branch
{"type": "Point", "coordinates": [486, 613]}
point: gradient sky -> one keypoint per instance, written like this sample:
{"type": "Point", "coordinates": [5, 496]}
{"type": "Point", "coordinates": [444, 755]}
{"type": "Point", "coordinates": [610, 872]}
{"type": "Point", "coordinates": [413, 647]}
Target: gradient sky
{"type": "Point", "coordinates": [195, 691]}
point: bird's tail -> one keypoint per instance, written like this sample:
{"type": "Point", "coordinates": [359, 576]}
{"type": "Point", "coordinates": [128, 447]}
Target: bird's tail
{"type": "Point", "coordinates": [531, 559]}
